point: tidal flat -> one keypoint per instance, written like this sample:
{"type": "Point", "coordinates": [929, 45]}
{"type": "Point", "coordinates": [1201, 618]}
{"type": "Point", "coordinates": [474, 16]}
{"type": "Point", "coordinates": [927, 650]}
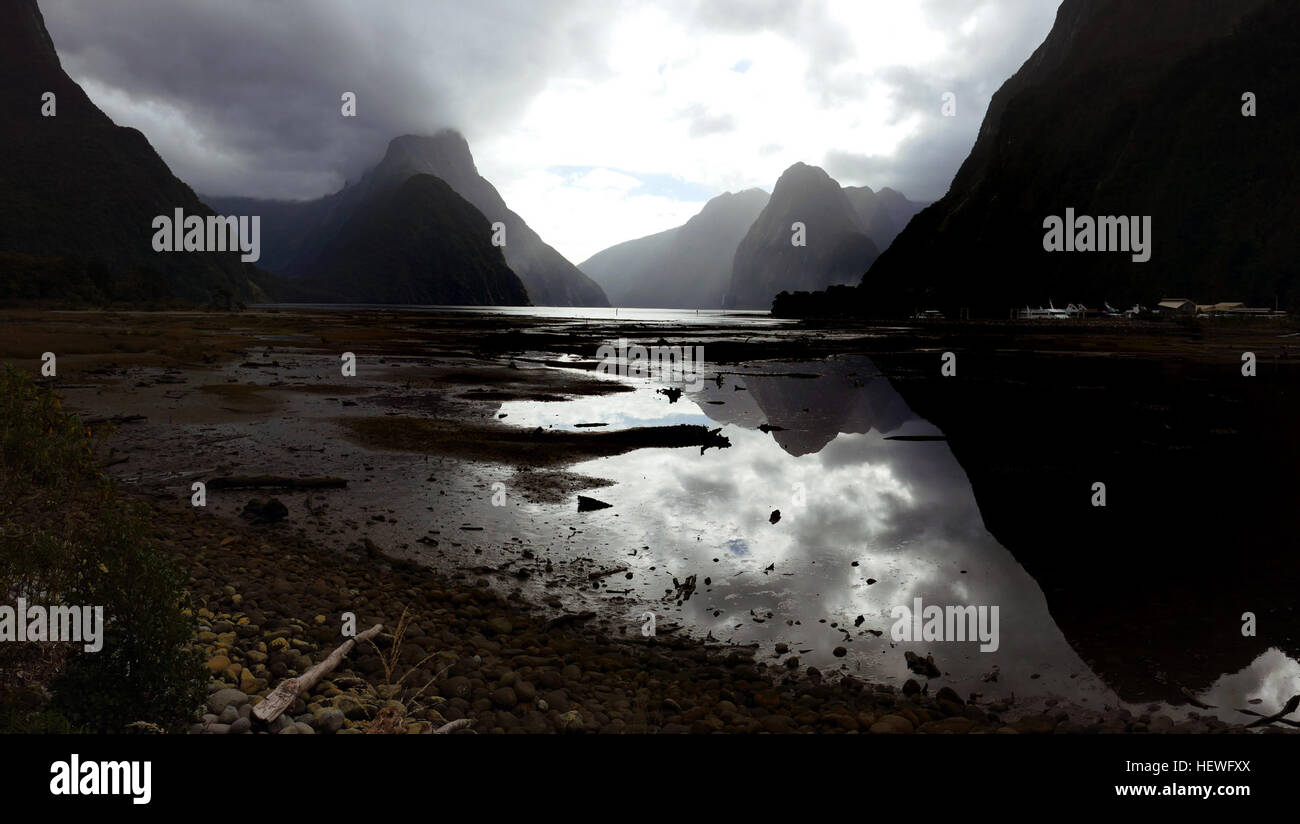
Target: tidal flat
{"type": "Point", "coordinates": [770, 519]}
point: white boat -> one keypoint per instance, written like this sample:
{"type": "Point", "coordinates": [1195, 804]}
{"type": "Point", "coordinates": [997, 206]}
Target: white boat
{"type": "Point", "coordinates": [1050, 313]}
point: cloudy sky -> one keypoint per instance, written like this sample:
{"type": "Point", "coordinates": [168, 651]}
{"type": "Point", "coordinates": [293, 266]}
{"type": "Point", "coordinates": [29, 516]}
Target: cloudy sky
{"type": "Point", "coordinates": [598, 120]}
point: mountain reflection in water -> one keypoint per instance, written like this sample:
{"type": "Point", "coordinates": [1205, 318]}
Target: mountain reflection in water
{"type": "Point", "coordinates": [869, 520]}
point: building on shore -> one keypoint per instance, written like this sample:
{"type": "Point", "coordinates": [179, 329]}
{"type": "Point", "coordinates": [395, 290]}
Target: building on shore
{"type": "Point", "coordinates": [1236, 309]}
{"type": "Point", "coordinates": [1176, 306]}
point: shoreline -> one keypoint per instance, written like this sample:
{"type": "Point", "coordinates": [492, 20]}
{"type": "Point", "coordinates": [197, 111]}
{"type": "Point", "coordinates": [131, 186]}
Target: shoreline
{"type": "Point", "coordinates": [501, 660]}
{"type": "Point", "coordinates": [694, 688]}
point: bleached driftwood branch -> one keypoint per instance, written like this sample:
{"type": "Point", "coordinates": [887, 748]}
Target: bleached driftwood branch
{"type": "Point", "coordinates": [451, 726]}
{"type": "Point", "coordinates": [282, 697]}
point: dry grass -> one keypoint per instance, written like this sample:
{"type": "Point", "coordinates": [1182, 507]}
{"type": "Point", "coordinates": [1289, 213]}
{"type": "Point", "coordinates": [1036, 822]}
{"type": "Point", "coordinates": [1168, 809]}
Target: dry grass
{"type": "Point", "coordinates": [394, 720]}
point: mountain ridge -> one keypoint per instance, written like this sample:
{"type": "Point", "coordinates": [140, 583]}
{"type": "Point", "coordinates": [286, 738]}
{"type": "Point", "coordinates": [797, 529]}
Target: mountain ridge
{"type": "Point", "coordinates": [432, 245]}
{"type": "Point", "coordinates": [836, 250]}
{"type": "Point", "coordinates": [686, 267]}
{"type": "Point", "coordinates": [78, 193]}
{"type": "Point", "coordinates": [301, 230]}
{"type": "Point", "coordinates": [1164, 136]}
{"type": "Point", "coordinates": [659, 270]}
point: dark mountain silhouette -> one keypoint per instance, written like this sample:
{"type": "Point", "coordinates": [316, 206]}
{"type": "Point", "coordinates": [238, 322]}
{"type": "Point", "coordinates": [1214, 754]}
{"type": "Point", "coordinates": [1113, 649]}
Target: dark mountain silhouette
{"type": "Point", "coordinates": [296, 234]}
{"type": "Point", "coordinates": [287, 226]}
{"type": "Point", "coordinates": [78, 194]}
{"type": "Point", "coordinates": [687, 267]}
{"type": "Point", "coordinates": [1125, 109]}
{"type": "Point", "coordinates": [1034, 440]}
{"type": "Point", "coordinates": [419, 244]}
{"type": "Point", "coordinates": [837, 249]}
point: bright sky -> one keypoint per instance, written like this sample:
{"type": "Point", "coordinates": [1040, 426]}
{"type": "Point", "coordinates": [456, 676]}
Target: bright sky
{"type": "Point", "coordinates": [599, 121]}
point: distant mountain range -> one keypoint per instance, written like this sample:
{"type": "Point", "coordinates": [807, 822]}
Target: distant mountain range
{"type": "Point", "coordinates": [1126, 109]}
{"type": "Point", "coordinates": [738, 252]}
{"type": "Point", "coordinates": [883, 214]}
{"type": "Point", "coordinates": [78, 194]}
{"type": "Point", "coordinates": [687, 267]}
{"type": "Point", "coordinates": [300, 239]}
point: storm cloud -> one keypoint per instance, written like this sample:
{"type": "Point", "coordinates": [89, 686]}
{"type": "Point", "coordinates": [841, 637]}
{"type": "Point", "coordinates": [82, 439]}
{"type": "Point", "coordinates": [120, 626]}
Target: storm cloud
{"type": "Point", "coordinates": [242, 97]}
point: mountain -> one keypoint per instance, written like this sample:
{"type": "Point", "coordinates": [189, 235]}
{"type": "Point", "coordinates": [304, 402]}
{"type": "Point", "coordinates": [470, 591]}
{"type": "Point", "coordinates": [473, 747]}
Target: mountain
{"type": "Point", "coordinates": [836, 249]}
{"type": "Point", "coordinates": [78, 193]}
{"type": "Point", "coordinates": [882, 214]}
{"type": "Point", "coordinates": [430, 244]}
{"type": "Point", "coordinates": [296, 234]}
{"type": "Point", "coordinates": [687, 267]}
{"type": "Point", "coordinates": [845, 395]}
{"type": "Point", "coordinates": [286, 227]}
{"type": "Point", "coordinates": [1129, 109]}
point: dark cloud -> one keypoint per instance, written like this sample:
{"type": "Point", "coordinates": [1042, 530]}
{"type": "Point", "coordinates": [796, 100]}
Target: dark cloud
{"type": "Point", "coordinates": [922, 168]}
{"type": "Point", "coordinates": [982, 58]}
{"type": "Point", "coordinates": [243, 96]}
{"type": "Point", "coordinates": [925, 162]}
{"type": "Point", "coordinates": [260, 83]}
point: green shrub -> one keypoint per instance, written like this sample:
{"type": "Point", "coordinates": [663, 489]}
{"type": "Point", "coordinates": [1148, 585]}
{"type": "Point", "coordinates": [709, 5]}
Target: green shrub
{"type": "Point", "coordinates": [67, 536]}
{"type": "Point", "coordinates": [40, 443]}
{"type": "Point", "coordinates": [146, 670]}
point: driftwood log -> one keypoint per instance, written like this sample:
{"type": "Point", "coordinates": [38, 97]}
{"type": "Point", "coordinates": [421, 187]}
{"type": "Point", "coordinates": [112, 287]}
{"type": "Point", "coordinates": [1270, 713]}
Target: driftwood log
{"type": "Point", "coordinates": [283, 696]}
{"type": "Point", "coordinates": [113, 419]}
{"type": "Point", "coordinates": [1264, 720]}
{"type": "Point", "coordinates": [255, 481]}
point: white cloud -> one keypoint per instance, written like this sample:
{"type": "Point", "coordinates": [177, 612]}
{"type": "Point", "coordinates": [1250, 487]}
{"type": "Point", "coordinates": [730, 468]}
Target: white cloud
{"type": "Point", "coordinates": [578, 214]}
{"type": "Point", "coordinates": [671, 103]}
{"type": "Point", "coordinates": [242, 98]}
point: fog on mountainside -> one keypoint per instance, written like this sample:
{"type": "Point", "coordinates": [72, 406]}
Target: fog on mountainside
{"type": "Point", "coordinates": [78, 194]}
{"type": "Point", "coordinates": [298, 235]}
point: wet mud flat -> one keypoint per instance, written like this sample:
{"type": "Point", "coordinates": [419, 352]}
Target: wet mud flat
{"type": "Point", "coordinates": [260, 392]}
{"type": "Point", "coordinates": [269, 605]}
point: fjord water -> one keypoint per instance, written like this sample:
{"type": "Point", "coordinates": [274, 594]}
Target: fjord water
{"type": "Point", "coordinates": [676, 317]}
{"type": "Point", "coordinates": [1136, 603]}
{"type": "Point", "coordinates": [875, 512]}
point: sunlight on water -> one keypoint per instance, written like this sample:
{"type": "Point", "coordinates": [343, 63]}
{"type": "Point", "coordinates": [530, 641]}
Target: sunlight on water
{"type": "Point", "coordinates": [868, 521]}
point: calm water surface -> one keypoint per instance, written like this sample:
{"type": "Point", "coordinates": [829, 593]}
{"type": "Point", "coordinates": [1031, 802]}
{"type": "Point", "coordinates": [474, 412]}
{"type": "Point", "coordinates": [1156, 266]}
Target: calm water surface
{"type": "Point", "coordinates": [875, 512]}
